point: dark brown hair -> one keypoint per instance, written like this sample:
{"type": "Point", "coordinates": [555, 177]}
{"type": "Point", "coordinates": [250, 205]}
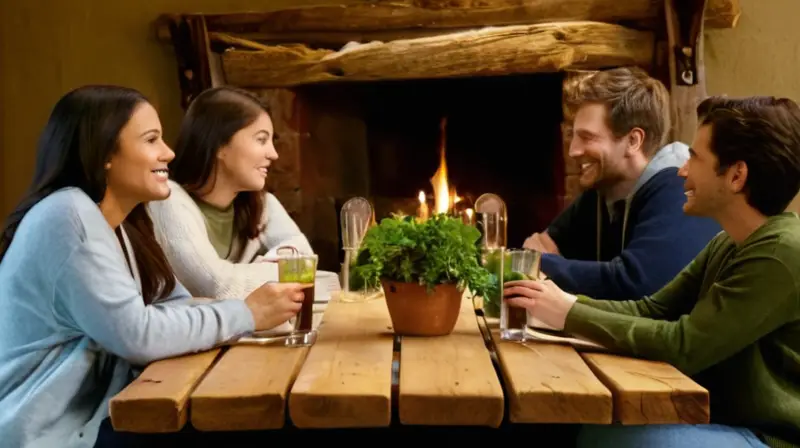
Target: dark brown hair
{"type": "Point", "coordinates": [632, 99]}
{"type": "Point", "coordinates": [764, 133]}
{"type": "Point", "coordinates": [79, 139]}
{"type": "Point", "coordinates": [212, 119]}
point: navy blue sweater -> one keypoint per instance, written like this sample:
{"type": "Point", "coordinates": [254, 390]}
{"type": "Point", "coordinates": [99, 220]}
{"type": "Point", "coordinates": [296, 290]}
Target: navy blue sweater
{"type": "Point", "coordinates": [660, 240]}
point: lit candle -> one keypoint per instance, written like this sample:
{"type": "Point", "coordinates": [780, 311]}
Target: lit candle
{"type": "Point", "coordinates": [469, 212]}
{"type": "Point", "coordinates": [422, 212]}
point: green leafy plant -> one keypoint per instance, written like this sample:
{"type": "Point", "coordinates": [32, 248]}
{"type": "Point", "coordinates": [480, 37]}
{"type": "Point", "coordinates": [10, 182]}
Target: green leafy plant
{"type": "Point", "coordinates": [439, 250]}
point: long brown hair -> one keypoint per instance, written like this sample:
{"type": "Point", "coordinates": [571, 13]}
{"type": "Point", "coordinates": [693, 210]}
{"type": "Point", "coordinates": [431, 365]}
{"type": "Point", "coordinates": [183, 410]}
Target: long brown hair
{"type": "Point", "coordinates": [212, 119]}
{"type": "Point", "coordinates": [79, 139]}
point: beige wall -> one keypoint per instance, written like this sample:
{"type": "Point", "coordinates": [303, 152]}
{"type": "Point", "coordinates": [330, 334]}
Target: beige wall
{"type": "Point", "coordinates": [761, 56]}
{"type": "Point", "coordinates": [50, 47]}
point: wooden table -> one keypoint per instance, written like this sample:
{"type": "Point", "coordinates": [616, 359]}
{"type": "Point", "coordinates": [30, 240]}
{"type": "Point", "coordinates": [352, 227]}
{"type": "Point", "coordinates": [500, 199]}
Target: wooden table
{"type": "Point", "coordinates": [349, 379]}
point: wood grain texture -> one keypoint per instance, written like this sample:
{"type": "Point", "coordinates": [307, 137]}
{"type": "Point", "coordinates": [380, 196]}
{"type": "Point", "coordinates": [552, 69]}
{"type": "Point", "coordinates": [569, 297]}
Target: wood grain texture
{"type": "Point", "coordinates": [549, 47]}
{"type": "Point", "coordinates": [247, 389]}
{"type": "Point", "coordinates": [346, 380]}
{"type": "Point", "coordinates": [444, 14]}
{"type": "Point", "coordinates": [158, 400]}
{"type": "Point", "coordinates": [649, 392]}
{"type": "Point", "coordinates": [450, 380]}
{"type": "Point", "coordinates": [550, 383]}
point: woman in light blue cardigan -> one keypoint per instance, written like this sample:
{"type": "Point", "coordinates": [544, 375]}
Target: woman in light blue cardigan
{"type": "Point", "coordinates": [85, 291]}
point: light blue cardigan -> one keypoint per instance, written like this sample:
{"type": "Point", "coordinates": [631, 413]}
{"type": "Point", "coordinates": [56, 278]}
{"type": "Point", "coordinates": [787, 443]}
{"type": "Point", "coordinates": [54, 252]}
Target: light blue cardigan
{"type": "Point", "coordinates": [73, 323]}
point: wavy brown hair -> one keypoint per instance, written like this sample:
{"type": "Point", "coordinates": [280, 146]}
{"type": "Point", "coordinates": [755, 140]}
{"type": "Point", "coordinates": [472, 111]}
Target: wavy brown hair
{"type": "Point", "coordinates": [633, 99]}
{"type": "Point", "coordinates": [80, 137]}
{"type": "Point", "coordinates": [212, 119]}
{"type": "Point", "coordinates": [764, 133]}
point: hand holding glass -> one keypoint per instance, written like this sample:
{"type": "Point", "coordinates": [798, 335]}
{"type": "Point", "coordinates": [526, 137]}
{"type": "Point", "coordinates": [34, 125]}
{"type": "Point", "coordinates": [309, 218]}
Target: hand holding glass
{"type": "Point", "coordinates": [300, 268]}
{"type": "Point", "coordinates": [514, 320]}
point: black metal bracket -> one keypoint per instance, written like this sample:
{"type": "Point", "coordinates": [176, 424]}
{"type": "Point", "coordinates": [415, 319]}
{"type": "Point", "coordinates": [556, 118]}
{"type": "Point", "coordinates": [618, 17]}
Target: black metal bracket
{"type": "Point", "coordinates": [689, 16]}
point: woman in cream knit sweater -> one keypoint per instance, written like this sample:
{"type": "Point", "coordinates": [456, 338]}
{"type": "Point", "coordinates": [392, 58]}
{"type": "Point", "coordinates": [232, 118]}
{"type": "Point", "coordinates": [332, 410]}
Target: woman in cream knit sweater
{"type": "Point", "coordinates": [219, 227]}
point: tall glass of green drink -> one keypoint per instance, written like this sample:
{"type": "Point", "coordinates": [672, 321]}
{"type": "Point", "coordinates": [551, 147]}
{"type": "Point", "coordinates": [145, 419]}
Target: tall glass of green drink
{"type": "Point", "coordinates": [514, 320]}
{"type": "Point", "coordinates": [301, 268]}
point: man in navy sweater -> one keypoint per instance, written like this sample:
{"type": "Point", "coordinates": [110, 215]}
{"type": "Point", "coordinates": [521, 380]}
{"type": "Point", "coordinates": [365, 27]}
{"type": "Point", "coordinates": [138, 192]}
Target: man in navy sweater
{"type": "Point", "coordinates": [626, 235]}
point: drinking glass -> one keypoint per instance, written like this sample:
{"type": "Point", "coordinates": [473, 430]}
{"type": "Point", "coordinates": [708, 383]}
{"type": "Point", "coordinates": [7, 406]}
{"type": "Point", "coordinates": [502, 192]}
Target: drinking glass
{"type": "Point", "coordinates": [494, 260]}
{"type": "Point", "coordinates": [514, 320]}
{"type": "Point", "coordinates": [492, 227]}
{"type": "Point", "coordinates": [301, 268]}
{"type": "Point", "coordinates": [492, 220]}
{"type": "Point", "coordinates": [356, 216]}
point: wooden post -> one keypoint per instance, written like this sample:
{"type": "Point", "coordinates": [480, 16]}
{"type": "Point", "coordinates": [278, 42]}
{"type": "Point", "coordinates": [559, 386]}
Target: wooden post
{"type": "Point", "coordinates": [191, 45]}
{"type": "Point", "coordinates": [684, 27]}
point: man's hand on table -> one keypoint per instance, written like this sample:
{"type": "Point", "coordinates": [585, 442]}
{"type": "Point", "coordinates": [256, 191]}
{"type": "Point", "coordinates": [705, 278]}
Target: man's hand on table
{"type": "Point", "coordinates": [541, 242]}
{"type": "Point", "coordinates": [543, 299]}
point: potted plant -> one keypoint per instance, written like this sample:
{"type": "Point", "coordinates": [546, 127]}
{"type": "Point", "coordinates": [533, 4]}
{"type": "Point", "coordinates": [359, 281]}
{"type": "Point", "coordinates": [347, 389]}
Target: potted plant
{"type": "Point", "coordinates": [424, 267]}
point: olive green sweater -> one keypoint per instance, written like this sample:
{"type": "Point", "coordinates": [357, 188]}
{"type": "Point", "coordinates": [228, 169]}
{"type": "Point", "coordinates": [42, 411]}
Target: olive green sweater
{"type": "Point", "coordinates": [730, 319]}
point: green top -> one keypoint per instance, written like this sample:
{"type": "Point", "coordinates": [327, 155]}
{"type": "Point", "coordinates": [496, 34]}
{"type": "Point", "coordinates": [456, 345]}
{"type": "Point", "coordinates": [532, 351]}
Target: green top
{"type": "Point", "coordinates": [219, 224]}
{"type": "Point", "coordinates": [730, 319]}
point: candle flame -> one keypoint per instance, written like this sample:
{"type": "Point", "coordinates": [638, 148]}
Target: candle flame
{"type": "Point", "coordinates": [421, 197]}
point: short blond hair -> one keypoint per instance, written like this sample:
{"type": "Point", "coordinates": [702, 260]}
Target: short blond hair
{"type": "Point", "coordinates": [633, 99]}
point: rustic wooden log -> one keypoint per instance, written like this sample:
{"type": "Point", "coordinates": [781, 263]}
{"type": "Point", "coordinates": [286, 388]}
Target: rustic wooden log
{"type": "Point", "coordinates": [415, 14]}
{"type": "Point", "coordinates": [549, 47]}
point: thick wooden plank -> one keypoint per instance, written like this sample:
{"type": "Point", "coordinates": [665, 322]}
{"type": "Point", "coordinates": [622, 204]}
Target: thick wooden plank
{"type": "Point", "coordinates": [550, 383]}
{"type": "Point", "coordinates": [450, 380]}
{"type": "Point", "coordinates": [649, 392]}
{"type": "Point", "coordinates": [548, 47]}
{"type": "Point", "coordinates": [158, 400]}
{"type": "Point", "coordinates": [247, 389]}
{"type": "Point", "coordinates": [444, 14]}
{"type": "Point", "coordinates": [346, 380]}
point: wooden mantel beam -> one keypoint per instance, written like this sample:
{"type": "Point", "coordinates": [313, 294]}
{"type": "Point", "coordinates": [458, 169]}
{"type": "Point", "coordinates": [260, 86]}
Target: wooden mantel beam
{"type": "Point", "coordinates": [547, 47]}
{"type": "Point", "coordinates": [383, 16]}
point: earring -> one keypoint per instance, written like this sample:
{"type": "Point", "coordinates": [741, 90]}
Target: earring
{"type": "Point", "coordinates": [108, 165]}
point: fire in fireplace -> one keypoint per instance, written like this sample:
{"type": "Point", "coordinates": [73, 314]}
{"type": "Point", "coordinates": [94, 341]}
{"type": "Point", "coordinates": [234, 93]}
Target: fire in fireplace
{"type": "Point", "coordinates": [445, 197]}
{"type": "Point", "coordinates": [442, 143]}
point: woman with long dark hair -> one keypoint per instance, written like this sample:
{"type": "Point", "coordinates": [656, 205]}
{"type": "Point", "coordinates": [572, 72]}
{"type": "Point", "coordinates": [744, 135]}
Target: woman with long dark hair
{"type": "Point", "coordinates": [220, 221]}
{"type": "Point", "coordinates": [86, 292]}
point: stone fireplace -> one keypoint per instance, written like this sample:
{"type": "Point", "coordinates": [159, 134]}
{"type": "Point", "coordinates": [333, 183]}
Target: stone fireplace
{"type": "Point", "coordinates": [377, 109]}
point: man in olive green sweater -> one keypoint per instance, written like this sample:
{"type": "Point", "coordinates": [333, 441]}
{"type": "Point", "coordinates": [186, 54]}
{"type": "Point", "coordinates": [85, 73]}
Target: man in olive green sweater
{"type": "Point", "coordinates": [731, 318]}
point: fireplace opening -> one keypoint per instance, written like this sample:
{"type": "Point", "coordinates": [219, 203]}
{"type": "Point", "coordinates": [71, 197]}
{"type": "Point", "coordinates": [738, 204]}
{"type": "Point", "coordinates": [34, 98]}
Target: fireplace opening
{"type": "Point", "coordinates": [384, 140]}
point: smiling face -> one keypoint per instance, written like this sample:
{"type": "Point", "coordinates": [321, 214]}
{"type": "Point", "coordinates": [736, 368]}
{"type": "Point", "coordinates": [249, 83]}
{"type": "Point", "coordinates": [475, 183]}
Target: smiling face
{"type": "Point", "coordinates": [244, 162]}
{"type": "Point", "coordinates": [707, 192]}
{"type": "Point", "coordinates": [138, 170]}
{"type": "Point", "coordinates": [599, 154]}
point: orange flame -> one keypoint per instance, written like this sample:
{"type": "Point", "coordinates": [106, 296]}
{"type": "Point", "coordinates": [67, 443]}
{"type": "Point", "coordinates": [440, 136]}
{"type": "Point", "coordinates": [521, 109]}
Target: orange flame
{"type": "Point", "coordinates": [443, 197]}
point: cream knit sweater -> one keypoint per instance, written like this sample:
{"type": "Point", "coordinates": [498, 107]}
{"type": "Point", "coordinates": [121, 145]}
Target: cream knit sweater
{"type": "Point", "coordinates": [181, 231]}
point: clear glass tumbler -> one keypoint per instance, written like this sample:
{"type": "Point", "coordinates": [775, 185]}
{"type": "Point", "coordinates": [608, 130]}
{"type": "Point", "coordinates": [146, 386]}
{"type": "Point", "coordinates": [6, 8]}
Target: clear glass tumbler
{"type": "Point", "coordinates": [301, 268]}
{"type": "Point", "coordinates": [524, 266]}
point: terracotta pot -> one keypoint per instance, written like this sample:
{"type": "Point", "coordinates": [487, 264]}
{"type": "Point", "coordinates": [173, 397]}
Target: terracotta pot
{"type": "Point", "coordinates": [415, 312]}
